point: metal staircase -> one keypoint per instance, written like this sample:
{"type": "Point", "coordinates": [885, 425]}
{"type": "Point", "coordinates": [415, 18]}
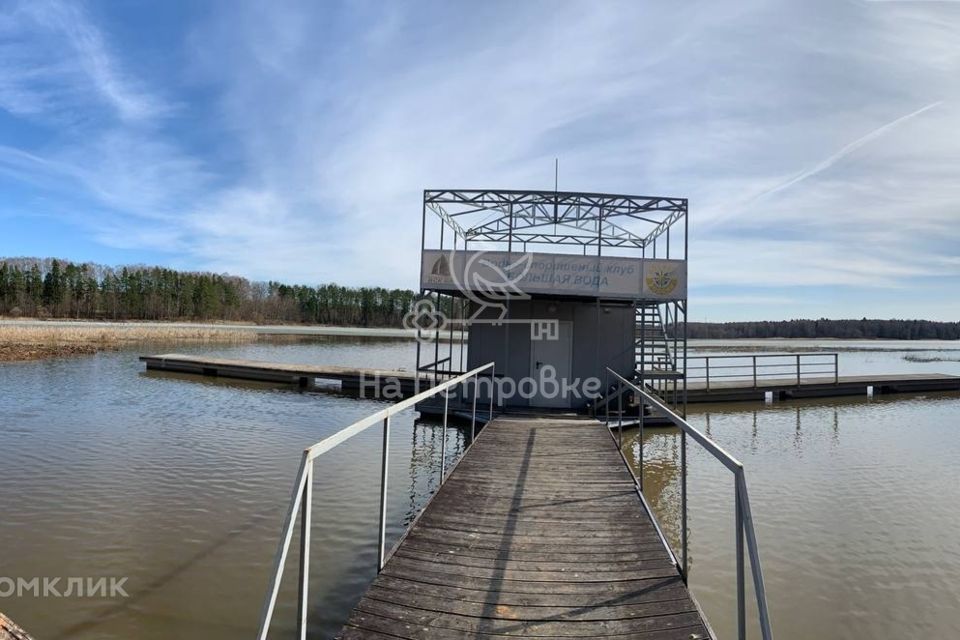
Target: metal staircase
{"type": "Point", "coordinates": [653, 348]}
{"type": "Point", "coordinates": [656, 361]}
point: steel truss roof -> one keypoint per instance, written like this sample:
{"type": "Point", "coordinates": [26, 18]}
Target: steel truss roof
{"type": "Point", "coordinates": [555, 217]}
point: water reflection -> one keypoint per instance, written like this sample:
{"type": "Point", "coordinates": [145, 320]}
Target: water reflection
{"type": "Point", "coordinates": [854, 501]}
{"type": "Point", "coordinates": [424, 466]}
{"type": "Point", "coordinates": [182, 485]}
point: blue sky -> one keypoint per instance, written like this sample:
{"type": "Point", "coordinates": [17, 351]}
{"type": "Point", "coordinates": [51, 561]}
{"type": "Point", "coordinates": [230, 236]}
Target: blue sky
{"type": "Point", "coordinates": [817, 142]}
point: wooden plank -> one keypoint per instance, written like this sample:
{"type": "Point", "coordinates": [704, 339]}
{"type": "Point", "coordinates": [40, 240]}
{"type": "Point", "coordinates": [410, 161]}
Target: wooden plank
{"type": "Point", "coordinates": [657, 568]}
{"type": "Point", "coordinates": [510, 547]}
{"type": "Point", "coordinates": [637, 591]}
{"type": "Point", "coordinates": [479, 541]}
{"type": "Point", "coordinates": [520, 524]}
{"type": "Point", "coordinates": [587, 540]}
{"type": "Point", "coordinates": [373, 627]}
{"type": "Point", "coordinates": [545, 565]}
{"type": "Point", "coordinates": [507, 589]}
{"type": "Point", "coordinates": [562, 554]}
{"type": "Point", "coordinates": [403, 615]}
{"type": "Point", "coordinates": [594, 611]}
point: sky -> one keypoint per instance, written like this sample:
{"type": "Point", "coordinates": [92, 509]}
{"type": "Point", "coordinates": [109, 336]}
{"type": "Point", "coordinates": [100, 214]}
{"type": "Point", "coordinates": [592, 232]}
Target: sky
{"type": "Point", "coordinates": [818, 142]}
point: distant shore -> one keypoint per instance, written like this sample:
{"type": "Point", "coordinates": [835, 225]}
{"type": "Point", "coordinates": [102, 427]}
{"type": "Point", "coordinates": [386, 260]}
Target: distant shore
{"type": "Point", "coordinates": [32, 339]}
{"type": "Point", "coordinates": [261, 329]}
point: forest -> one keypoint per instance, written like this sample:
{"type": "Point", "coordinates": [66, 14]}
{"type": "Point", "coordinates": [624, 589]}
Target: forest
{"type": "Point", "coordinates": [51, 288]}
{"type": "Point", "coordinates": [823, 328]}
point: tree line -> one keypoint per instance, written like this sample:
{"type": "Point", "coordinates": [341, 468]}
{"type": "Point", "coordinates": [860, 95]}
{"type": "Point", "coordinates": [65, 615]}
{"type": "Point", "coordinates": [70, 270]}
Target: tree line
{"type": "Point", "coordinates": [50, 288]}
{"type": "Point", "coordinates": [823, 328]}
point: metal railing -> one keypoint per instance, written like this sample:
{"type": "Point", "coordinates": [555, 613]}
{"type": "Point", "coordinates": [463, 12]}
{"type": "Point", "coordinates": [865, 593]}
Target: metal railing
{"type": "Point", "coordinates": [743, 516]}
{"type": "Point", "coordinates": [764, 367]}
{"type": "Point", "coordinates": [302, 499]}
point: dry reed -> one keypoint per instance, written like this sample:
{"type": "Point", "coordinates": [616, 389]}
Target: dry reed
{"type": "Point", "coordinates": [33, 342]}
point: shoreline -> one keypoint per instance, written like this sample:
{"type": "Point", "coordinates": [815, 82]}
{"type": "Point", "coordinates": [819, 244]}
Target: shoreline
{"type": "Point", "coordinates": [23, 340]}
{"type": "Point", "coordinates": [266, 329]}
{"type": "Point", "coordinates": [27, 342]}
{"type": "Point", "coordinates": [34, 339]}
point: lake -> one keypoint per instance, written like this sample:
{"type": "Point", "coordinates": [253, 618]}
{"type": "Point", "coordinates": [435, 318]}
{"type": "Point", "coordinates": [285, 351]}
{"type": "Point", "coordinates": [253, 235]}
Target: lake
{"type": "Point", "coordinates": [180, 484]}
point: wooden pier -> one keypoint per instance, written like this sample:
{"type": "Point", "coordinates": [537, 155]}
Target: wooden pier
{"type": "Point", "coordinates": [537, 532]}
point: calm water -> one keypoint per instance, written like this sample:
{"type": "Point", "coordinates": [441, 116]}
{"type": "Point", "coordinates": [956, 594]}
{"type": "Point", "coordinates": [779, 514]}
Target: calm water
{"type": "Point", "coordinates": [180, 485]}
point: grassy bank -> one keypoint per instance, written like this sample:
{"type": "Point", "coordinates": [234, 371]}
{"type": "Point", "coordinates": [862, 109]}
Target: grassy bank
{"type": "Point", "coordinates": [36, 342]}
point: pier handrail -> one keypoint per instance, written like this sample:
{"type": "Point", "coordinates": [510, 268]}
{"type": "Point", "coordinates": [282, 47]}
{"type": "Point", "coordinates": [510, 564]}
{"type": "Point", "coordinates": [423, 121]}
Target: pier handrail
{"type": "Point", "coordinates": [744, 517]}
{"type": "Point", "coordinates": [302, 497]}
{"type": "Point", "coordinates": [794, 366]}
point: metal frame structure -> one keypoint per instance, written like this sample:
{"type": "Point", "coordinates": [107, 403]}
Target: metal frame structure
{"type": "Point", "coordinates": [554, 217]}
{"type": "Point", "coordinates": [566, 222]}
{"type": "Point", "coordinates": [301, 501]}
{"type": "Point", "coordinates": [743, 515]}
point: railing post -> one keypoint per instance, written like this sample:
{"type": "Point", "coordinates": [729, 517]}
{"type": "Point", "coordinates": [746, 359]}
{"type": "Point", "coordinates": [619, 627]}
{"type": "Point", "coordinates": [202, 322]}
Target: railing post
{"type": "Point", "coordinates": [473, 419]}
{"type": "Point", "coordinates": [706, 359]}
{"type": "Point", "coordinates": [836, 368]}
{"type": "Point", "coordinates": [754, 372]}
{"type": "Point", "coordinates": [746, 539]}
{"type": "Point", "coordinates": [493, 385]}
{"type": "Point", "coordinates": [640, 475]}
{"type": "Point", "coordinates": [301, 503]}
{"type": "Point", "coordinates": [798, 369]}
{"type": "Point", "coordinates": [620, 415]}
{"type": "Point", "coordinates": [741, 598]}
{"type": "Point", "coordinates": [606, 394]}
{"type": "Point", "coordinates": [296, 499]}
{"type": "Point", "coordinates": [306, 509]}
{"type": "Point", "coordinates": [751, 543]}
{"type": "Point", "coordinates": [384, 467]}
{"type": "Point", "coordinates": [443, 442]}
{"type": "Point", "coordinates": [683, 499]}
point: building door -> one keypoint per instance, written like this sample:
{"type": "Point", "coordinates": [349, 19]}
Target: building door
{"type": "Point", "coordinates": [557, 354]}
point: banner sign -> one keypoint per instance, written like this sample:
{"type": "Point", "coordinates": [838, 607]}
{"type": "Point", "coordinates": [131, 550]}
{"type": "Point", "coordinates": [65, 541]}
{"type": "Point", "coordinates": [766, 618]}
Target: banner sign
{"type": "Point", "coordinates": [498, 274]}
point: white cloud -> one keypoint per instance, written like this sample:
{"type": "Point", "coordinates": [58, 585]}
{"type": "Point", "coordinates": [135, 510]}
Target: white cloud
{"type": "Point", "coordinates": [331, 119]}
{"type": "Point", "coordinates": [832, 159]}
{"type": "Point", "coordinates": [55, 60]}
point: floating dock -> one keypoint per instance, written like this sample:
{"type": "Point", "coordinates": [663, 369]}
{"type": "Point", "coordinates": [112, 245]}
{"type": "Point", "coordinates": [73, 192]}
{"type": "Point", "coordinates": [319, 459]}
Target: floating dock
{"type": "Point", "coordinates": [790, 388]}
{"type": "Point", "coordinates": [350, 378]}
{"type": "Point", "coordinates": [538, 532]}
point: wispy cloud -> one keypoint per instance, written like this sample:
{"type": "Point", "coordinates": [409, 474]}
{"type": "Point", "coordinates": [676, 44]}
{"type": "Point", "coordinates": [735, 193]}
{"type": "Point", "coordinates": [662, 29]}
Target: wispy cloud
{"type": "Point", "coordinates": [56, 60]}
{"type": "Point", "coordinates": [310, 129]}
{"type": "Point", "coordinates": [836, 157]}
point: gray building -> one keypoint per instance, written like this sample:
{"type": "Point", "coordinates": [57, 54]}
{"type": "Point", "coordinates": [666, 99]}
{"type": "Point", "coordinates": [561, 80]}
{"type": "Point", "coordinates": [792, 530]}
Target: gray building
{"type": "Point", "coordinates": [555, 288]}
